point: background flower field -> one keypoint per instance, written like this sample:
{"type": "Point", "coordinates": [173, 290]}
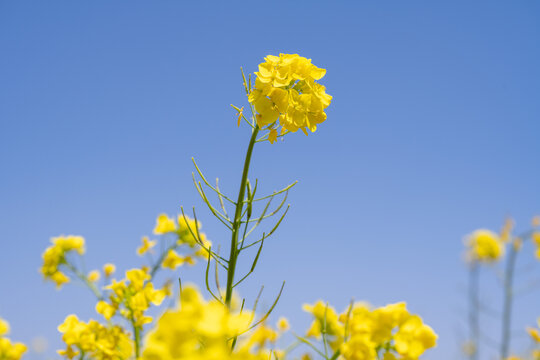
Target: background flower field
{"type": "Point", "coordinates": [432, 133]}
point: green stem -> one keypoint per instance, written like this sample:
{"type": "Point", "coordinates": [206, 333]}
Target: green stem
{"type": "Point", "coordinates": [237, 219]}
{"type": "Point", "coordinates": [136, 336]}
{"type": "Point", "coordinates": [85, 280]}
{"type": "Point", "coordinates": [508, 299]}
{"type": "Point", "coordinates": [474, 310]}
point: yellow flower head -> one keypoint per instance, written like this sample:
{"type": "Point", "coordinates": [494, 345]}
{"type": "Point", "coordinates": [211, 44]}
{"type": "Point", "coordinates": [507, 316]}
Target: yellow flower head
{"type": "Point", "coordinates": [55, 255]}
{"type": "Point", "coordinates": [286, 93]}
{"type": "Point", "coordinates": [361, 332]}
{"type": "Point", "coordinates": [172, 260]}
{"type": "Point", "coordinates": [283, 324]}
{"type": "Point", "coordinates": [164, 224]}
{"type": "Point", "coordinates": [179, 333]}
{"type": "Point", "coordinates": [94, 275]}
{"type": "Point", "coordinates": [11, 351]}
{"type": "Point", "coordinates": [4, 327]}
{"type": "Point", "coordinates": [94, 339]}
{"type": "Point", "coordinates": [105, 309]}
{"type": "Point", "coordinates": [146, 245]}
{"type": "Point", "coordinates": [109, 269]}
{"type": "Point", "coordinates": [484, 246]}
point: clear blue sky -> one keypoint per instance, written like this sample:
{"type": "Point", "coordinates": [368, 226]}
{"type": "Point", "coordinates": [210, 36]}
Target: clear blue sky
{"type": "Point", "coordinates": [434, 131]}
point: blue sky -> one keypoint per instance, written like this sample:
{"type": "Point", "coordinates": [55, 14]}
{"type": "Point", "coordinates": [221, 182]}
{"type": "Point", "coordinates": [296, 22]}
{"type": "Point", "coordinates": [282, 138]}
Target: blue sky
{"type": "Point", "coordinates": [433, 132]}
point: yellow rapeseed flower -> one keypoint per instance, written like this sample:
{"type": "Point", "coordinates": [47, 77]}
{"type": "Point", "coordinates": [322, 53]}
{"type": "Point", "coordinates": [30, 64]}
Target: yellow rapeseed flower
{"type": "Point", "coordinates": [484, 246]}
{"type": "Point", "coordinates": [4, 327]}
{"type": "Point", "coordinates": [94, 275]}
{"type": "Point", "coordinates": [11, 351]}
{"type": "Point", "coordinates": [414, 337]}
{"type": "Point", "coordinates": [164, 224]}
{"type": "Point", "coordinates": [55, 255]}
{"type": "Point", "coordinates": [172, 260]}
{"type": "Point", "coordinates": [283, 324]}
{"type": "Point", "coordinates": [179, 333]}
{"type": "Point", "coordinates": [109, 269]}
{"type": "Point", "coordinates": [105, 309]}
{"type": "Point", "coordinates": [94, 339]}
{"type": "Point", "coordinates": [360, 332]}
{"type": "Point", "coordinates": [146, 245]}
{"type": "Point", "coordinates": [286, 93]}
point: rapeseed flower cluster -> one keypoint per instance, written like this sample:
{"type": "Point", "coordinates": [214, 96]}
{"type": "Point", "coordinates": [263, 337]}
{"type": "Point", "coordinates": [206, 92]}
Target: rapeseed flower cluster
{"type": "Point", "coordinates": [55, 255]}
{"type": "Point", "coordinates": [187, 232]}
{"type": "Point", "coordinates": [484, 246]}
{"type": "Point", "coordinates": [364, 333]}
{"type": "Point", "coordinates": [286, 94]}
{"type": "Point", "coordinates": [8, 349]}
{"type": "Point", "coordinates": [94, 340]}
{"type": "Point", "coordinates": [205, 330]}
{"type": "Point", "coordinates": [132, 295]}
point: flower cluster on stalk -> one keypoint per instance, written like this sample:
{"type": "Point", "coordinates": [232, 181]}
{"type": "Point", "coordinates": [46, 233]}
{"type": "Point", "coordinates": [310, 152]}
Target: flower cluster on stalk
{"type": "Point", "coordinates": [8, 349]}
{"type": "Point", "coordinates": [286, 94]}
{"type": "Point", "coordinates": [365, 333]}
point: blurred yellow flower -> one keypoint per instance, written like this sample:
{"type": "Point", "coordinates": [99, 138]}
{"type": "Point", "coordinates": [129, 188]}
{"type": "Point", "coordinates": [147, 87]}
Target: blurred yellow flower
{"type": "Point", "coordinates": [283, 324]}
{"type": "Point", "coordinates": [164, 224]}
{"type": "Point", "coordinates": [94, 340]}
{"type": "Point", "coordinates": [146, 245]}
{"type": "Point", "coordinates": [9, 350]}
{"type": "Point", "coordinates": [94, 275]}
{"type": "Point", "coordinates": [172, 260]}
{"type": "Point", "coordinates": [109, 269]}
{"type": "Point", "coordinates": [55, 255]}
{"type": "Point", "coordinates": [360, 332]}
{"type": "Point", "coordinates": [4, 327]}
{"type": "Point", "coordinates": [484, 246]}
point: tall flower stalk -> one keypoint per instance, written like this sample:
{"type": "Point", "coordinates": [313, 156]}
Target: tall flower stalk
{"type": "Point", "coordinates": [238, 218]}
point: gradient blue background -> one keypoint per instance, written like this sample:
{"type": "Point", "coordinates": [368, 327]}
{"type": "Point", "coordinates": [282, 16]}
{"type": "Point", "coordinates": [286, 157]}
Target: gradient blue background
{"type": "Point", "coordinates": [433, 132]}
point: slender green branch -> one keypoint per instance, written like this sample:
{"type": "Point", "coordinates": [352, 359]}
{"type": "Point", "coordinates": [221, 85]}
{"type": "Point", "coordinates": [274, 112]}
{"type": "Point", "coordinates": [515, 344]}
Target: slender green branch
{"type": "Point", "coordinates": [474, 309]}
{"type": "Point", "coordinates": [508, 299]}
{"type": "Point", "coordinates": [262, 217]}
{"type": "Point", "coordinates": [221, 203]}
{"type": "Point", "coordinates": [253, 265]}
{"type": "Point", "coordinates": [85, 280]}
{"type": "Point", "coordinates": [277, 192]}
{"type": "Point", "coordinates": [208, 184]}
{"type": "Point", "coordinates": [207, 281]}
{"type": "Point", "coordinates": [308, 343]}
{"type": "Point", "coordinates": [270, 233]}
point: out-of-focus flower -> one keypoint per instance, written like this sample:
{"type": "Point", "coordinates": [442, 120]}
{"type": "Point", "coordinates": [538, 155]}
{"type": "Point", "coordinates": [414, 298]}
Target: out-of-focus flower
{"type": "Point", "coordinates": [9, 350]}
{"type": "Point", "coordinates": [55, 255]}
{"type": "Point", "coordinates": [146, 245]}
{"type": "Point", "coordinates": [484, 246]}
{"type": "Point", "coordinates": [109, 269]}
{"type": "Point", "coordinates": [94, 275]}
{"type": "Point", "coordinates": [196, 321]}
{"type": "Point", "coordinates": [388, 332]}
{"type": "Point", "coordinates": [94, 340]}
